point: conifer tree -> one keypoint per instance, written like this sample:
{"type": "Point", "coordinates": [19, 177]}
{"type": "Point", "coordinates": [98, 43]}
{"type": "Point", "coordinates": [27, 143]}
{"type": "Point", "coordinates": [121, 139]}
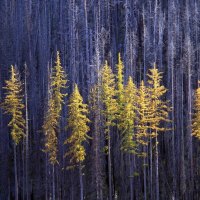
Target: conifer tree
{"type": "Point", "coordinates": [58, 82]}
{"type": "Point", "coordinates": [126, 127]}
{"type": "Point", "coordinates": [108, 94]}
{"type": "Point", "coordinates": [120, 83]}
{"type": "Point", "coordinates": [109, 102]}
{"type": "Point", "coordinates": [159, 109]}
{"type": "Point", "coordinates": [13, 105]}
{"type": "Point", "coordinates": [196, 118]}
{"type": "Point", "coordinates": [77, 125]}
{"type": "Point", "coordinates": [128, 117]}
{"type": "Point", "coordinates": [142, 135]}
{"type": "Point", "coordinates": [49, 126]}
{"type": "Point", "coordinates": [144, 116]}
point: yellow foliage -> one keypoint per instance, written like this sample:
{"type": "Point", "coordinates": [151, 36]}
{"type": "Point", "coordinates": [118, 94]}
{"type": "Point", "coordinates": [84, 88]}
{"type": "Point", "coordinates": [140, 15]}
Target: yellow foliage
{"type": "Point", "coordinates": [128, 116]}
{"type": "Point", "coordinates": [58, 82]}
{"type": "Point", "coordinates": [77, 125]}
{"type": "Point", "coordinates": [108, 94]}
{"type": "Point", "coordinates": [196, 118]}
{"type": "Point", "coordinates": [13, 105]}
{"type": "Point", "coordinates": [120, 80]}
{"type": "Point", "coordinates": [50, 125]}
{"type": "Point", "coordinates": [159, 107]}
{"type": "Point", "coordinates": [144, 115]}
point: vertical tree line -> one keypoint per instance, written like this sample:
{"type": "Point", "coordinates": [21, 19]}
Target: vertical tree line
{"type": "Point", "coordinates": [135, 109]}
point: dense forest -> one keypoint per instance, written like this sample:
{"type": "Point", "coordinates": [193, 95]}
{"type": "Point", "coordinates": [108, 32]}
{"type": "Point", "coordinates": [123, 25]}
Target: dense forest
{"type": "Point", "coordinates": [100, 99]}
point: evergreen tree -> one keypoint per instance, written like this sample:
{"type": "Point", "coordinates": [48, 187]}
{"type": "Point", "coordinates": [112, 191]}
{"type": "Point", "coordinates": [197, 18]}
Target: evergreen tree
{"type": "Point", "coordinates": [160, 110]}
{"type": "Point", "coordinates": [58, 82]}
{"type": "Point", "coordinates": [77, 125]}
{"type": "Point", "coordinates": [108, 95]}
{"type": "Point", "coordinates": [13, 105]}
{"type": "Point", "coordinates": [196, 118]}
{"type": "Point", "coordinates": [128, 117]}
{"type": "Point", "coordinates": [142, 136]}
{"type": "Point", "coordinates": [120, 83]}
{"type": "Point", "coordinates": [109, 102]}
{"type": "Point", "coordinates": [126, 126]}
{"type": "Point", "coordinates": [49, 126]}
{"type": "Point", "coordinates": [144, 115]}
{"type": "Point", "coordinates": [159, 107]}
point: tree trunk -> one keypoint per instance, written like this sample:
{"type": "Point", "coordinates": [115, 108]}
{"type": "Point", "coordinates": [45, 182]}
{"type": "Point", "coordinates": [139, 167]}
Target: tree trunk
{"type": "Point", "coordinates": [130, 178]}
{"type": "Point", "coordinates": [53, 186]}
{"type": "Point", "coordinates": [15, 168]}
{"type": "Point", "coordinates": [151, 169]}
{"type": "Point", "coordinates": [81, 182]}
{"type": "Point", "coordinates": [27, 137]}
{"type": "Point", "coordinates": [144, 170]}
{"type": "Point", "coordinates": [109, 168]}
{"type": "Point", "coordinates": [157, 172]}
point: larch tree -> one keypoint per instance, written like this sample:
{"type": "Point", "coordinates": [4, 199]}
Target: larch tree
{"type": "Point", "coordinates": [120, 107]}
{"type": "Point", "coordinates": [128, 117]}
{"type": "Point", "coordinates": [58, 81]}
{"type": "Point", "coordinates": [14, 106]}
{"type": "Point", "coordinates": [144, 114]}
{"type": "Point", "coordinates": [109, 112]}
{"type": "Point", "coordinates": [196, 116]}
{"type": "Point", "coordinates": [142, 135]}
{"type": "Point", "coordinates": [160, 111]}
{"type": "Point", "coordinates": [78, 127]}
{"type": "Point", "coordinates": [120, 83]}
{"type": "Point", "coordinates": [50, 125]}
{"type": "Point", "coordinates": [127, 125]}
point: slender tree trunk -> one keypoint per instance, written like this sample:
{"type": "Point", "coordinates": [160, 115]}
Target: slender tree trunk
{"type": "Point", "coordinates": [151, 169]}
{"type": "Point", "coordinates": [53, 184]}
{"type": "Point", "coordinates": [15, 168]}
{"type": "Point", "coordinates": [46, 176]}
{"type": "Point", "coordinates": [81, 182]}
{"type": "Point", "coordinates": [24, 171]}
{"type": "Point", "coordinates": [145, 179]}
{"type": "Point", "coordinates": [130, 178]}
{"type": "Point", "coordinates": [86, 38]}
{"type": "Point", "coordinates": [27, 137]}
{"type": "Point", "coordinates": [157, 172]}
{"type": "Point", "coordinates": [109, 168]}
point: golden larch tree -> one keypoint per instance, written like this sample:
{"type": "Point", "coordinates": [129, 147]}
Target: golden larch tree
{"type": "Point", "coordinates": [78, 128]}
{"type": "Point", "coordinates": [13, 105]}
{"type": "Point", "coordinates": [160, 110]}
{"type": "Point", "coordinates": [128, 117]}
{"type": "Point", "coordinates": [108, 98]}
{"type": "Point", "coordinates": [58, 81]}
{"type": "Point", "coordinates": [196, 116]}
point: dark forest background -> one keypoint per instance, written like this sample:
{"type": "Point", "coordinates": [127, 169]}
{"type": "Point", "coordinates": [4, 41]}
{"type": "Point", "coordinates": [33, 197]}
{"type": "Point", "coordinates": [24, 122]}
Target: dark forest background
{"type": "Point", "coordinates": [87, 32]}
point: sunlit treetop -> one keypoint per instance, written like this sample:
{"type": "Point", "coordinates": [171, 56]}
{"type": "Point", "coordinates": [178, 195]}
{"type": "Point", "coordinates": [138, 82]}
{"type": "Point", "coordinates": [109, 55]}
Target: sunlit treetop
{"type": "Point", "coordinates": [14, 105]}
